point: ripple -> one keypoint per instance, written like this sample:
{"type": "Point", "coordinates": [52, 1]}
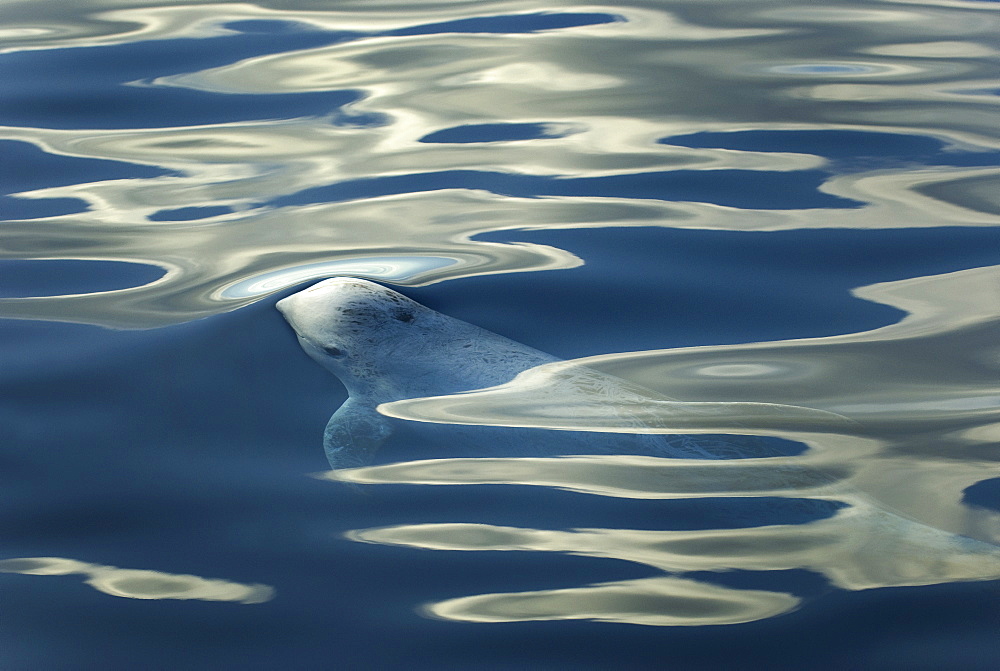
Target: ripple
{"type": "Point", "coordinates": [620, 476]}
{"type": "Point", "coordinates": [386, 268]}
{"type": "Point", "coordinates": [233, 250]}
{"type": "Point", "coordinates": [742, 370]}
{"type": "Point", "coordinates": [662, 602]}
{"type": "Point", "coordinates": [429, 74]}
{"type": "Point", "coordinates": [141, 583]}
{"type": "Point", "coordinates": [833, 69]}
{"type": "Point", "coordinates": [856, 549]}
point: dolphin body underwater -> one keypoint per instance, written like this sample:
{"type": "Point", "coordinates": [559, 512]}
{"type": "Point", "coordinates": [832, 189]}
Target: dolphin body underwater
{"type": "Point", "coordinates": [386, 347]}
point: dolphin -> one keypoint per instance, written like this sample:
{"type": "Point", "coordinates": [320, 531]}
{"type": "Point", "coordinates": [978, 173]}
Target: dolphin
{"type": "Point", "coordinates": [385, 347]}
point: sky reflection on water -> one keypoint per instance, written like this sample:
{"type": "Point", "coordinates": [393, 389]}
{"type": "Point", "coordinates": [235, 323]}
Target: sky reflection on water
{"type": "Point", "coordinates": [178, 162]}
{"type": "Point", "coordinates": [648, 76]}
{"type": "Point", "coordinates": [140, 584]}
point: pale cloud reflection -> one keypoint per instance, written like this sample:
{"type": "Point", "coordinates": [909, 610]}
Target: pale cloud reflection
{"type": "Point", "coordinates": [662, 601]}
{"type": "Point", "coordinates": [205, 258]}
{"type": "Point", "coordinates": [862, 546]}
{"type": "Point", "coordinates": [140, 583]}
{"type": "Point", "coordinates": [656, 601]}
{"type": "Point", "coordinates": [859, 548]}
{"type": "Point", "coordinates": [621, 476]}
{"type": "Point", "coordinates": [411, 239]}
{"type": "Point", "coordinates": [659, 70]}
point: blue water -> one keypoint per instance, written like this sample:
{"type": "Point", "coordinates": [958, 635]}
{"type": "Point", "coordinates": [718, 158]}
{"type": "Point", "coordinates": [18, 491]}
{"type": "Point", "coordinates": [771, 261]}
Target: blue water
{"type": "Point", "coordinates": [775, 203]}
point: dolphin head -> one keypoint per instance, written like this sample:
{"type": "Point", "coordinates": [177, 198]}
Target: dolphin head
{"type": "Point", "coordinates": [352, 327]}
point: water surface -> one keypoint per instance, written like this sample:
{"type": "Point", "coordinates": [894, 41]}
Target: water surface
{"type": "Point", "coordinates": [762, 202]}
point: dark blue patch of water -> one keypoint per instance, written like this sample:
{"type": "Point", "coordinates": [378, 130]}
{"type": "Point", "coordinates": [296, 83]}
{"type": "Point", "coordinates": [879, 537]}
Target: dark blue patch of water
{"type": "Point", "coordinates": [985, 494]}
{"type": "Point", "coordinates": [512, 23]}
{"type": "Point", "coordinates": [733, 188]}
{"type": "Point", "coordinates": [39, 208]}
{"type": "Point", "coordinates": [491, 132]}
{"type": "Point", "coordinates": [25, 167]}
{"type": "Point", "coordinates": [799, 582]}
{"type": "Point", "coordinates": [96, 87]}
{"type": "Point", "coordinates": [55, 277]}
{"type": "Point", "coordinates": [190, 213]}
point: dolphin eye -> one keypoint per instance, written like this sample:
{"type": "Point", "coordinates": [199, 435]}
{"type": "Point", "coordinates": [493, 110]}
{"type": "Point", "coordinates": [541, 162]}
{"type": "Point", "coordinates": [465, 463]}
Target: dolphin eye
{"type": "Point", "coordinates": [333, 351]}
{"type": "Point", "coordinates": [403, 316]}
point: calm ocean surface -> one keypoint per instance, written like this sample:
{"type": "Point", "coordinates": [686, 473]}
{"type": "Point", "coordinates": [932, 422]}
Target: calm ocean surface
{"type": "Point", "coordinates": [767, 202]}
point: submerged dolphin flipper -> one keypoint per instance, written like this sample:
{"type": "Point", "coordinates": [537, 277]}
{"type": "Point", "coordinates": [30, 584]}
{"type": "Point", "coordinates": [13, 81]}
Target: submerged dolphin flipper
{"type": "Point", "coordinates": [353, 434]}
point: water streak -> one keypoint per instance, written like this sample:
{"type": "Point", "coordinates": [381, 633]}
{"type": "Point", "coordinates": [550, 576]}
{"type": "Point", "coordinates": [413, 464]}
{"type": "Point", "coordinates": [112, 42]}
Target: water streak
{"type": "Point", "coordinates": [141, 583]}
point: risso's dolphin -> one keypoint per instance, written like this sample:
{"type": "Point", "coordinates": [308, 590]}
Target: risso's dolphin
{"type": "Point", "coordinates": [386, 347]}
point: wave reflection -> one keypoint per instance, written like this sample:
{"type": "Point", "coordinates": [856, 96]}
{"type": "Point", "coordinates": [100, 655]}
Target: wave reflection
{"type": "Point", "coordinates": [663, 601]}
{"type": "Point", "coordinates": [359, 102]}
{"type": "Point", "coordinates": [859, 548]}
{"type": "Point", "coordinates": [140, 583]}
{"type": "Point", "coordinates": [390, 269]}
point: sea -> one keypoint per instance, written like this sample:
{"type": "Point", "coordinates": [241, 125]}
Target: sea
{"type": "Point", "coordinates": [766, 228]}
